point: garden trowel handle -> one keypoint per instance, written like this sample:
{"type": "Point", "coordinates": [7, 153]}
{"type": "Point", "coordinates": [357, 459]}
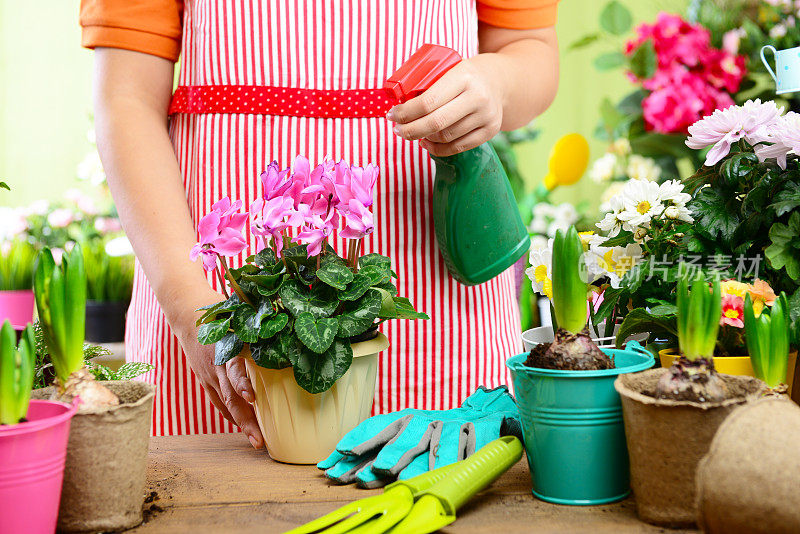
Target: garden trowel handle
{"type": "Point", "coordinates": [476, 472]}
{"type": "Point", "coordinates": [420, 71]}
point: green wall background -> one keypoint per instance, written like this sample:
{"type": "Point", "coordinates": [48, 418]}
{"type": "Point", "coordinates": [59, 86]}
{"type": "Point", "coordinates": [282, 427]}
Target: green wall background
{"type": "Point", "coordinates": [45, 95]}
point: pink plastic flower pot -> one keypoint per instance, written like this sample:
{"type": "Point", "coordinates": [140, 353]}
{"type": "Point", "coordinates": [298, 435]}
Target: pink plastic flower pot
{"type": "Point", "coordinates": [32, 458]}
{"type": "Point", "coordinates": [17, 307]}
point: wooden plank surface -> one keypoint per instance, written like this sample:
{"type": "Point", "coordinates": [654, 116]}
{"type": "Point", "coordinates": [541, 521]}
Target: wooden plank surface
{"type": "Point", "coordinates": [219, 484]}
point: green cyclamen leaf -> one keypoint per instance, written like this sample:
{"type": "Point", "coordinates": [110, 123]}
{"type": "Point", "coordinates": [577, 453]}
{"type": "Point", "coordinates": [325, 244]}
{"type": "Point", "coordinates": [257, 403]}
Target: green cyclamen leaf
{"type": "Point", "coordinates": [356, 289]}
{"type": "Point", "coordinates": [318, 372]}
{"type": "Point", "coordinates": [227, 348]}
{"type": "Point", "coordinates": [375, 259]}
{"type": "Point", "coordinates": [335, 274]}
{"type": "Point", "coordinates": [316, 333]}
{"type": "Point", "coordinates": [246, 321]}
{"type": "Point", "coordinates": [265, 258]}
{"type": "Point", "coordinates": [378, 274]}
{"type": "Point", "coordinates": [268, 353]}
{"type": "Point", "coordinates": [367, 307]}
{"type": "Point", "coordinates": [350, 326]}
{"type": "Point", "coordinates": [210, 333]}
{"type": "Point", "coordinates": [320, 301]}
{"type": "Point", "coordinates": [273, 325]}
{"type": "Point", "coordinates": [783, 253]}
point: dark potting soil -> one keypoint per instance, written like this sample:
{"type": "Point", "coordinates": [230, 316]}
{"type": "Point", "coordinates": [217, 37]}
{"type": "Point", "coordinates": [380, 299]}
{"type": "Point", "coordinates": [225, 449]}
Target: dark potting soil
{"type": "Point", "coordinates": [570, 352]}
{"type": "Point", "coordinates": [691, 380]}
{"type": "Point", "coordinates": [372, 333]}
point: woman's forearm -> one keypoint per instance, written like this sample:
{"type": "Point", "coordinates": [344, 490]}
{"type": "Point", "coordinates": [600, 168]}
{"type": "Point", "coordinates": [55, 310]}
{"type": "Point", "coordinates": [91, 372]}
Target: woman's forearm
{"type": "Point", "coordinates": [132, 93]}
{"type": "Point", "coordinates": [525, 65]}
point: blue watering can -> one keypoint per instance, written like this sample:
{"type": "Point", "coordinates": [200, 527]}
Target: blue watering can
{"type": "Point", "coordinates": [787, 68]}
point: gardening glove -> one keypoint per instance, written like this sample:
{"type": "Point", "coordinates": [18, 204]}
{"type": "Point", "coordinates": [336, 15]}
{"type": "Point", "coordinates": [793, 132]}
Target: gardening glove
{"type": "Point", "coordinates": [410, 442]}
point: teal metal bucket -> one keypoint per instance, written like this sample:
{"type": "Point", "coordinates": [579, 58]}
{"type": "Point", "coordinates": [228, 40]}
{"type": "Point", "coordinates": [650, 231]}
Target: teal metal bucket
{"type": "Point", "coordinates": [573, 429]}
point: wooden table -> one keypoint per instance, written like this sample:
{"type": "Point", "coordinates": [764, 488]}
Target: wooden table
{"type": "Point", "coordinates": [219, 484]}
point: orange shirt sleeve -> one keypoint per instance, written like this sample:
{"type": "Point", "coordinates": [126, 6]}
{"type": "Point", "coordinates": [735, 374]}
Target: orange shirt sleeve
{"type": "Point", "coordinates": [149, 26]}
{"type": "Point", "coordinates": [518, 14]}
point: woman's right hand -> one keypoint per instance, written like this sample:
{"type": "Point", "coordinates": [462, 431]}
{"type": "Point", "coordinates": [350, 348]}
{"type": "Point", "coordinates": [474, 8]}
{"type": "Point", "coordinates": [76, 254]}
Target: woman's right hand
{"type": "Point", "coordinates": [226, 385]}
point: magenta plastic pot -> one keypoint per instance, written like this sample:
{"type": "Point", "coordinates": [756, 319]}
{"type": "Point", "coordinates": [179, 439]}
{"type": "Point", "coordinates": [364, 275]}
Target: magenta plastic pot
{"type": "Point", "coordinates": [17, 307]}
{"type": "Point", "coordinates": [32, 456]}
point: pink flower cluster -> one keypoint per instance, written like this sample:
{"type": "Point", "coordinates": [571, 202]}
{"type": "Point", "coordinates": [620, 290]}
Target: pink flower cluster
{"type": "Point", "coordinates": [333, 196]}
{"type": "Point", "coordinates": [692, 78]}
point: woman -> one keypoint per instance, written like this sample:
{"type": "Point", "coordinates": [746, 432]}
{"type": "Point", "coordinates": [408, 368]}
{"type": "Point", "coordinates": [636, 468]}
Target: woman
{"type": "Point", "coordinates": [155, 165]}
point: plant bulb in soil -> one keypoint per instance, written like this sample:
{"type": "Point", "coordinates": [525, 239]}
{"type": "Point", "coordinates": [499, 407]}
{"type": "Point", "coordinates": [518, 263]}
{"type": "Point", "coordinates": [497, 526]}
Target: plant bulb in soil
{"type": "Point", "coordinates": [691, 380]}
{"type": "Point", "coordinates": [92, 394]}
{"type": "Point", "coordinates": [570, 352]}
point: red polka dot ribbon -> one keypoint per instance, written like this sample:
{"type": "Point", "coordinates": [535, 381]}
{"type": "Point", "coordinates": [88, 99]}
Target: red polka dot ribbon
{"type": "Point", "coordinates": [267, 100]}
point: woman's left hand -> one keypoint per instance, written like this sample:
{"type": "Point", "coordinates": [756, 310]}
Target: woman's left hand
{"type": "Point", "coordinates": [462, 110]}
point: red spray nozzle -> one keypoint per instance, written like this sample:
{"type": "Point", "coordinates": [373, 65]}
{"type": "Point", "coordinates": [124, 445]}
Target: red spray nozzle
{"type": "Point", "coordinates": [420, 71]}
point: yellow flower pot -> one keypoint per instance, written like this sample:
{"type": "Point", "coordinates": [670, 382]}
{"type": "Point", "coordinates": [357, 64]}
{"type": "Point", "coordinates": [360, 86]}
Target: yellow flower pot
{"type": "Point", "coordinates": [733, 365]}
{"type": "Point", "coordinates": [303, 428]}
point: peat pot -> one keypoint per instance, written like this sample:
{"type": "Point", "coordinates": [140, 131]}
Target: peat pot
{"type": "Point", "coordinates": [666, 440]}
{"type": "Point", "coordinates": [303, 428]}
{"type": "Point", "coordinates": [106, 462]}
{"type": "Point", "coordinates": [573, 429]}
{"type": "Point", "coordinates": [32, 458]}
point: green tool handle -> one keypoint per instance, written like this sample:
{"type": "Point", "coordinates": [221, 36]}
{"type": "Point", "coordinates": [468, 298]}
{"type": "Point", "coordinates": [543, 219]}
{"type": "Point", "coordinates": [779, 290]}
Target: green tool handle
{"type": "Point", "coordinates": [422, 482]}
{"type": "Point", "coordinates": [476, 472]}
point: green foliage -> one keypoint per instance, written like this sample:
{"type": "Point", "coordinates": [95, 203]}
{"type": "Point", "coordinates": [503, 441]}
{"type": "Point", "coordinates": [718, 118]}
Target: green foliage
{"type": "Point", "coordinates": [784, 252]}
{"type": "Point", "coordinates": [16, 373]}
{"type": "Point", "coordinates": [128, 371]}
{"type": "Point", "coordinates": [4, 185]}
{"type": "Point", "coordinates": [109, 278]}
{"type": "Point", "coordinates": [16, 266]}
{"type": "Point", "coordinates": [303, 313]}
{"type": "Point", "coordinates": [61, 301]}
{"type": "Point", "coordinates": [569, 289]}
{"type": "Point", "coordinates": [698, 317]}
{"type": "Point", "coordinates": [768, 340]}
{"type": "Point", "coordinates": [615, 18]}
{"type": "Point", "coordinates": [643, 61]}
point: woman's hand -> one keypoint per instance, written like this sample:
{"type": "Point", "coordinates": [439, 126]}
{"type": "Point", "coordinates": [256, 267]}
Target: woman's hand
{"type": "Point", "coordinates": [510, 82]}
{"type": "Point", "coordinates": [462, 110]}
{"type": "Point", "coordinates": [227, 386]}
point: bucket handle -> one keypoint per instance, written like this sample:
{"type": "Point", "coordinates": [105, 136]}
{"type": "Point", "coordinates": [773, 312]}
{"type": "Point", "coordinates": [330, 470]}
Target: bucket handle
{"type": "Point", "coordinates": [635, 346]}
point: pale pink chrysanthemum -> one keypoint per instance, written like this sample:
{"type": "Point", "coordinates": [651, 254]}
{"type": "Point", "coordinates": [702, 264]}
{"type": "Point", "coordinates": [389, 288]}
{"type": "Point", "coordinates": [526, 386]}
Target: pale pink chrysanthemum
{"type": "Point", "coordinates": [785, 138]}
{"type": "Point", "coordinates": [725, 127]}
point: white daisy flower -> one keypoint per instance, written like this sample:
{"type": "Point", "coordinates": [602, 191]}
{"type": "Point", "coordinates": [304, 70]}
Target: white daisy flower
{"type": "Point", "coordinates": [613, 190]}
{"type": "Point", "coordinates": [671, 192]}
{"type": "Point", "coordinates": [642, 202]}
{"type": "Point", "coordinates": [611, 223]}
{"type": "Point", "coordinates": [539, 273]}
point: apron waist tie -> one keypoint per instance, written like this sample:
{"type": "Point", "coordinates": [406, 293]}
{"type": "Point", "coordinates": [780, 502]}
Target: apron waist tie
{"type": "Point", "coordinates": [290, 101]}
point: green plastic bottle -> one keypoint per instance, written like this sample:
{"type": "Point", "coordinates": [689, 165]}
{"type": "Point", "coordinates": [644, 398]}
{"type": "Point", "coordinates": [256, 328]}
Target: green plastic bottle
{"type": "Point", "coordinates": [478, 227]}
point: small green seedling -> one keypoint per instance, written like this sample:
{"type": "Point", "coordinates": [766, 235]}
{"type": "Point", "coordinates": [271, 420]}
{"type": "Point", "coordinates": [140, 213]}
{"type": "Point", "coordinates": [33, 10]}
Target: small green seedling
{"type": "Point", "coordinates": [16, 373]}
{"type": "Point", "coordinates": [698, 317]}
{"type": "Point", "coordinates": [767, 339]}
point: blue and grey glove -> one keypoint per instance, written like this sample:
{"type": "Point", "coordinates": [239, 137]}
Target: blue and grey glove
{"type": "Point", "coordinates": [410, 442]}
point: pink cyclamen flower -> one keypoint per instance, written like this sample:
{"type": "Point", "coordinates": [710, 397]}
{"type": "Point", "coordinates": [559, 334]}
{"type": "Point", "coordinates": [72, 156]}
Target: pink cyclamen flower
{"type": "Point", "coordinates": [216, 240]}
{"type": "Point", "coordinates": [316, 232]}
{"type": "Point", "coordinates": [785, 138]}
{"type": "Point", "coordinates": [359, 184]}
{"type": "Point", "coordinates": [272, 218]}
{"type": "Point", "coordinates": [723, 128]}
{"type": "Point", "coordinates": [229, 216]}
{"type": "Point", "coordinates": [358, 221]}
{"type": "Point", "coordinates": [274, 181]}
{"type": "Point", "coordinates": [732, 311]}
{"type": "Point", "coordinates": [674, 40]}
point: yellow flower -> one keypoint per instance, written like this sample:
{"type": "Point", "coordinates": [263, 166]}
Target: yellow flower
{"type": "Point", "coordinates": [734, 287]}
{"type": "Point", "coordinates": [586, 239]}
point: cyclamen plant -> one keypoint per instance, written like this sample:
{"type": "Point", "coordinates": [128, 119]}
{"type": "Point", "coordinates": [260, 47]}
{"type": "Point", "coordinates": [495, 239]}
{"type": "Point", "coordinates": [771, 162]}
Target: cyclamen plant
{"type": "Point", "coordinates": [296, 302]}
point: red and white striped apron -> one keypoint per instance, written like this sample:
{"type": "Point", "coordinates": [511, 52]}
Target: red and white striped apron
{"type": "Point", "coordinates": [329, 44]}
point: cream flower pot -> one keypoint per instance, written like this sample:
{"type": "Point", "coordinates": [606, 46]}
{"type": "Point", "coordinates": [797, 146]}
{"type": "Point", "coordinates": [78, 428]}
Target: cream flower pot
{"type": "Point", "coordinates": [303, 428]}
